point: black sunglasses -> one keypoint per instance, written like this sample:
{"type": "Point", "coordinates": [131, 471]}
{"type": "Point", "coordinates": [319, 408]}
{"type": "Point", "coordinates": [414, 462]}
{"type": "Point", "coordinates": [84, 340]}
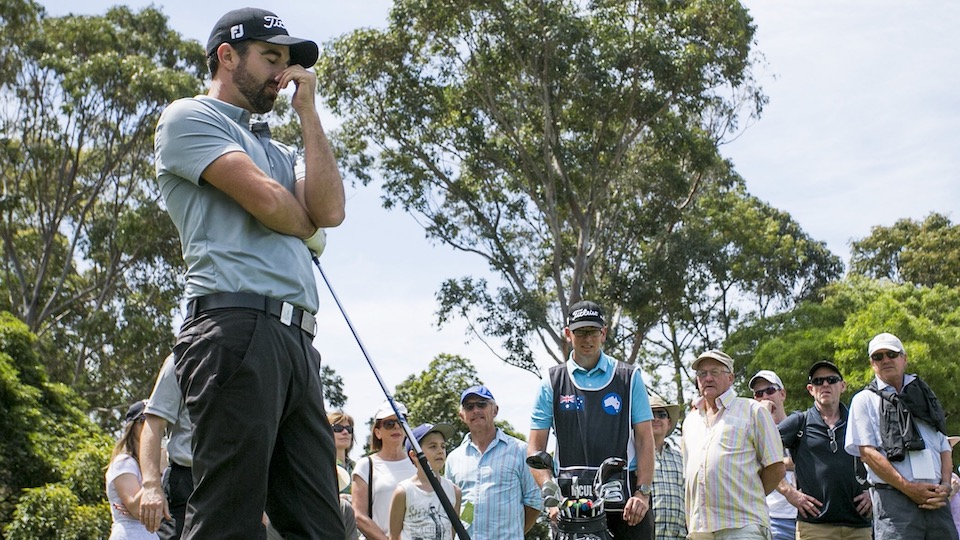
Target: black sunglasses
{"type": "Point", "coordinates": [768, 391]}
{"type": "Point", "coordinates": [878, 356]}
{"type": "Point", "coordinates": [661, 414]}
{"type": "Point", "coordinates": [469, 406]}
{"type": "Point", "coordinates": [820, 381]}
{"type": "Point", "coordinates": [337, 428]}
{"type": "Point", "coordinates": [389, 424]}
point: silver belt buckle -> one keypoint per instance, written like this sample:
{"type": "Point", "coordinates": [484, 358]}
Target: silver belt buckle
{"type": "Point", "coordinates": [286, 313]}
{"type": "Point", "coordinates": [309, 323]}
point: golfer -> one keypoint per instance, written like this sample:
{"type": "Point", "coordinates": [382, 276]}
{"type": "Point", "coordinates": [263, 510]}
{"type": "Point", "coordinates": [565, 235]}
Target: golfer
{"type": "Point", "coordinates": [245, 360]}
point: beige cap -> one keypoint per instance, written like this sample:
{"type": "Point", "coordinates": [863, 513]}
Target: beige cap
{"type": "Point", "coordinates": [717, 355]}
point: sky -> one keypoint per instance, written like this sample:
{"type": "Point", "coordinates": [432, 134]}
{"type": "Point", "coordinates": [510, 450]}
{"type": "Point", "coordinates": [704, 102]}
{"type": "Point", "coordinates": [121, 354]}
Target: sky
{"type": "Point", "coordinates": [860, 131]}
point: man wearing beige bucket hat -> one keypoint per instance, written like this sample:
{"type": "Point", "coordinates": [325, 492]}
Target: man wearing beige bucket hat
{"type": "Point", "coordinates": [669, 515]}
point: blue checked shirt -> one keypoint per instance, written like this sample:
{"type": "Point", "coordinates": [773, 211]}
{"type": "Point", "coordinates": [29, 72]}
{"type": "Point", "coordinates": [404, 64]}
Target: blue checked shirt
{"type": "Point", "coordinates": [498, 483]}
{"type": "Point", "coordinates": [670, 516]}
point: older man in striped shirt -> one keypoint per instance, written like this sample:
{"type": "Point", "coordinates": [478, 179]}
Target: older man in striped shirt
{"type": "Point", "coordinates": [732, 456]}
{"type": "Point", "coordinates": [500, 497]}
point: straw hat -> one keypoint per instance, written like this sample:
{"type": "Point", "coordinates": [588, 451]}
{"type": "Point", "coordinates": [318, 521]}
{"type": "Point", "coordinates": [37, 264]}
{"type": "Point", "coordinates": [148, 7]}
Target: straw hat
{"type": "Point", "coordinates": [656, 402]}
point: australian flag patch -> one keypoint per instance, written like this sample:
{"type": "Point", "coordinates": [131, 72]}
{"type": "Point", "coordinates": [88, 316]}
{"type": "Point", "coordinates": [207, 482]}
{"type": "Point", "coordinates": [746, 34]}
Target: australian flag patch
{"type": "Point", "coordinates": [571, 402]}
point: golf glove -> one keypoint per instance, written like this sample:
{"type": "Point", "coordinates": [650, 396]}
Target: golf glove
{"type": "Point", "coordinates": [317, 242]}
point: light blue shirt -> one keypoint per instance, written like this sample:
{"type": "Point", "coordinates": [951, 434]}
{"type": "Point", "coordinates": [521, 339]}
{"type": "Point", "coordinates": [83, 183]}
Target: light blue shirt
{"type": "Point", "coordinates": [497, 482]}
{"type": "Point", "coordinates": [863, 429]}
{"type": "Point", "coordinates": [594, 379]}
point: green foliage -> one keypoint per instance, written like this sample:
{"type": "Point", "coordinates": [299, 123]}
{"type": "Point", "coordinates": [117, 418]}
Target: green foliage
{"type": "Point", "coordinates": [91, 260]}
{"type": "Point", "coordinates": [560, 142]}
{"type": "Point", "coordinates": [332, 385]}
{"type": "Point", "coordinates": [733, 260]}
{"type": "Point", "coordinates": [51, 455]}
{"type": "Point", "coordinates": [851, 313]}
{"type": "Point", "coordinates": [434, 395]}
{"type": "Point", "coordinates": [53, 512]}
{"type": "Point", "coordinates": [925, 253]}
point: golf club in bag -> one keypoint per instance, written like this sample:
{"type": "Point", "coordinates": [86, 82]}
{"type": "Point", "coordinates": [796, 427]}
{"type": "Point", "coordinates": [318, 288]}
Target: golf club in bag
{"type": "Point", "coordinates": [421, 458]}
{"type": "Point", "coordinates": [582, 515]}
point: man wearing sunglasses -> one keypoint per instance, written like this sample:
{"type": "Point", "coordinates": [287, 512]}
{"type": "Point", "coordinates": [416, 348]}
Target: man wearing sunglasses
{"type": "Point", "coordinates": [598, 408]}
{"type": "Point", "coordinates": [669, 514]}
{"type": "Point", "coordinates": [768, 389]}
{"type": "Point", "coordinates": [489, 467]}
{"type": "Point", "coordinates": [835, 508]}
{"type": "Point", "coordinates": [897, 427]}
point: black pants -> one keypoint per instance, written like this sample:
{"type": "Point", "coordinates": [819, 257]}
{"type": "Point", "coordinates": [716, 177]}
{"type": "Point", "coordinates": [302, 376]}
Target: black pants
{"type": "Point", "coordinates": [261, 439]}
{"type": "Point", "coordinates": [644, 530]}
{"type": "Point", "coordinates": [177, 485]}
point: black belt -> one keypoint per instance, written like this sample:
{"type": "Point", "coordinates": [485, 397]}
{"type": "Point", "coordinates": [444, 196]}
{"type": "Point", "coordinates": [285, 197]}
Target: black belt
{"type": "Point", "coordinates": [885, 486]}
{"type": "Point", "coordinates": [285, 311]}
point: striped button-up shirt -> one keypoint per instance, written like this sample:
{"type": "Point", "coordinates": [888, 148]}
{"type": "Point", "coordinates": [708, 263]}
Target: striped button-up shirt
{"type": "Point", "coordinates": [670, 517]}
{"type": "Point", "coordinates": [722, 463]}
{"type": "Point", "coordinates": [498, 483]}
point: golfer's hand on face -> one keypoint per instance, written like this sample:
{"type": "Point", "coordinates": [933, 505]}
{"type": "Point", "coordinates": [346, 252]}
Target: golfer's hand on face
{"type": "Point", "coordinates": [636, 508]}
{"type": "Point", "coordinates": [304, 96]}
{"type": "Point", "coordinates": [153, 507]}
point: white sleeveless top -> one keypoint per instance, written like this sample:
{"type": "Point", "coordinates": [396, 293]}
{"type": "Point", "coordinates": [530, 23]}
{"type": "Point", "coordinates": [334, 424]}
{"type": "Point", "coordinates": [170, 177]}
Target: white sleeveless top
{"type": "Point", "coordinates": [425, 518]}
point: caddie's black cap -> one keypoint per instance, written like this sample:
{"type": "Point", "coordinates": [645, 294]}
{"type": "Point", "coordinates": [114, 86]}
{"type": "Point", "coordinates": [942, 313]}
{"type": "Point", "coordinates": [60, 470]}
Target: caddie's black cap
{"type": "Point", "coordinates": [261, 25]}
{"type": "Point", "coordinates": [585, 313]}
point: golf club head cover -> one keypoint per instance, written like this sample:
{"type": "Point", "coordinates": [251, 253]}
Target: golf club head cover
{"type": "Point", "coordinates": [317, 242]}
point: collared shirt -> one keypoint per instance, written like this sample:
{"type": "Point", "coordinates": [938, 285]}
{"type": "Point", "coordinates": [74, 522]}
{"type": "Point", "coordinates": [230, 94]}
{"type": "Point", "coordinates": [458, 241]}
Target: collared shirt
{"type": "Point", "coordinates": [593, 379]}
{"type": "Point", "coordinates": [166, 401]}
{"type": "Point", "coordinates": [863, 429]}
{"type": "Point", "coordinates": [815, 458]}
{"type": "Point", "coordinates": [225, 248]}
{"type": "Point", "coordinates": [722, 463]}
{"type": "Point", "coordinates": [671, 519]}
{"type": "Point", "coordinates": [497, 482]}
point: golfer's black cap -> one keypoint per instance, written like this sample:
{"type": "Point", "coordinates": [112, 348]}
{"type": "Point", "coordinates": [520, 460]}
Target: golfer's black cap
{"type": "Point", "coordinates": [826, 364]}
{"type": "Point", "coordinates": [261, 25]}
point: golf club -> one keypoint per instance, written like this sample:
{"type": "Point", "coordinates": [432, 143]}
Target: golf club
{"type": "Point", "coordinates": [421, 458]}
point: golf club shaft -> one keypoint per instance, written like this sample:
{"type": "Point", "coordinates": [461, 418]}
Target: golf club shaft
{"type": "Point", "coordinates": [421, 458]}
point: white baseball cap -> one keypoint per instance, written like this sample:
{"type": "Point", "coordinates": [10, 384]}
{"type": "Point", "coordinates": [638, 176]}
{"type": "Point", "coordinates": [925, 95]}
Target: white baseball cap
{"type": "Point", "coordinates": [386, 411]}
{"type": "Point", "coordinates": [885, 340]}
{"type": "Point", "coordinates": [768, 376]}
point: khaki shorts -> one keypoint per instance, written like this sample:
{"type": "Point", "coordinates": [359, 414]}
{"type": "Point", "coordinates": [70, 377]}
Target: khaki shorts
{"type": "Point", "coordinates": [822, 531]}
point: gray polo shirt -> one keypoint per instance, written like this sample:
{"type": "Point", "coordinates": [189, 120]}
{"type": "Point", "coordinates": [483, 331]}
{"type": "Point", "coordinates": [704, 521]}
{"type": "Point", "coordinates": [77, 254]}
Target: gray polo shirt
{"type": "Point", "coordinates": [166, 401]}
{"type": "Point", "coordinates": [225, 248]}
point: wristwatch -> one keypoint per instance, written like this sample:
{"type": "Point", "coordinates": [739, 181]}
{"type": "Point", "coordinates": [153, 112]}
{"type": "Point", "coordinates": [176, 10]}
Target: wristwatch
{"type": "Point", "coordinates": [645, 489]}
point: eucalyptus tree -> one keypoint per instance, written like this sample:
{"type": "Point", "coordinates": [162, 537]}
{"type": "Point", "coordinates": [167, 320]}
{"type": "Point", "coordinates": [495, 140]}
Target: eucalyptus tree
{"type": "Point", "coordinates": [560, 141]}
{"type": "Point", "coordinates": [910, 251]}
{"type": "Point", "coordinates": [91, 262]}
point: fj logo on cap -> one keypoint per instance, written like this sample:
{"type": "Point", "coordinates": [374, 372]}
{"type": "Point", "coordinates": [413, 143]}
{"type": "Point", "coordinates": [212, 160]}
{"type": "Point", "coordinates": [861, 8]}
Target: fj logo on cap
{"type": "Point", "coordinates": [272, 21]}
{"type": "Point", "coordinates": [236, 31]}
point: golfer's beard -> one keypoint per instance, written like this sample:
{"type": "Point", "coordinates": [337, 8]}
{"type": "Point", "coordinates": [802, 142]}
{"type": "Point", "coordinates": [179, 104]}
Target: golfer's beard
{"type": "Point", "coordinates": [256, 93]}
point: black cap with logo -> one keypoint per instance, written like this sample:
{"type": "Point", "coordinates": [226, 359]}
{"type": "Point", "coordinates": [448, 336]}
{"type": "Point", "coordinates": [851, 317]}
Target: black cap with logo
{"type": "Point", "coordinates": [261, 25]}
